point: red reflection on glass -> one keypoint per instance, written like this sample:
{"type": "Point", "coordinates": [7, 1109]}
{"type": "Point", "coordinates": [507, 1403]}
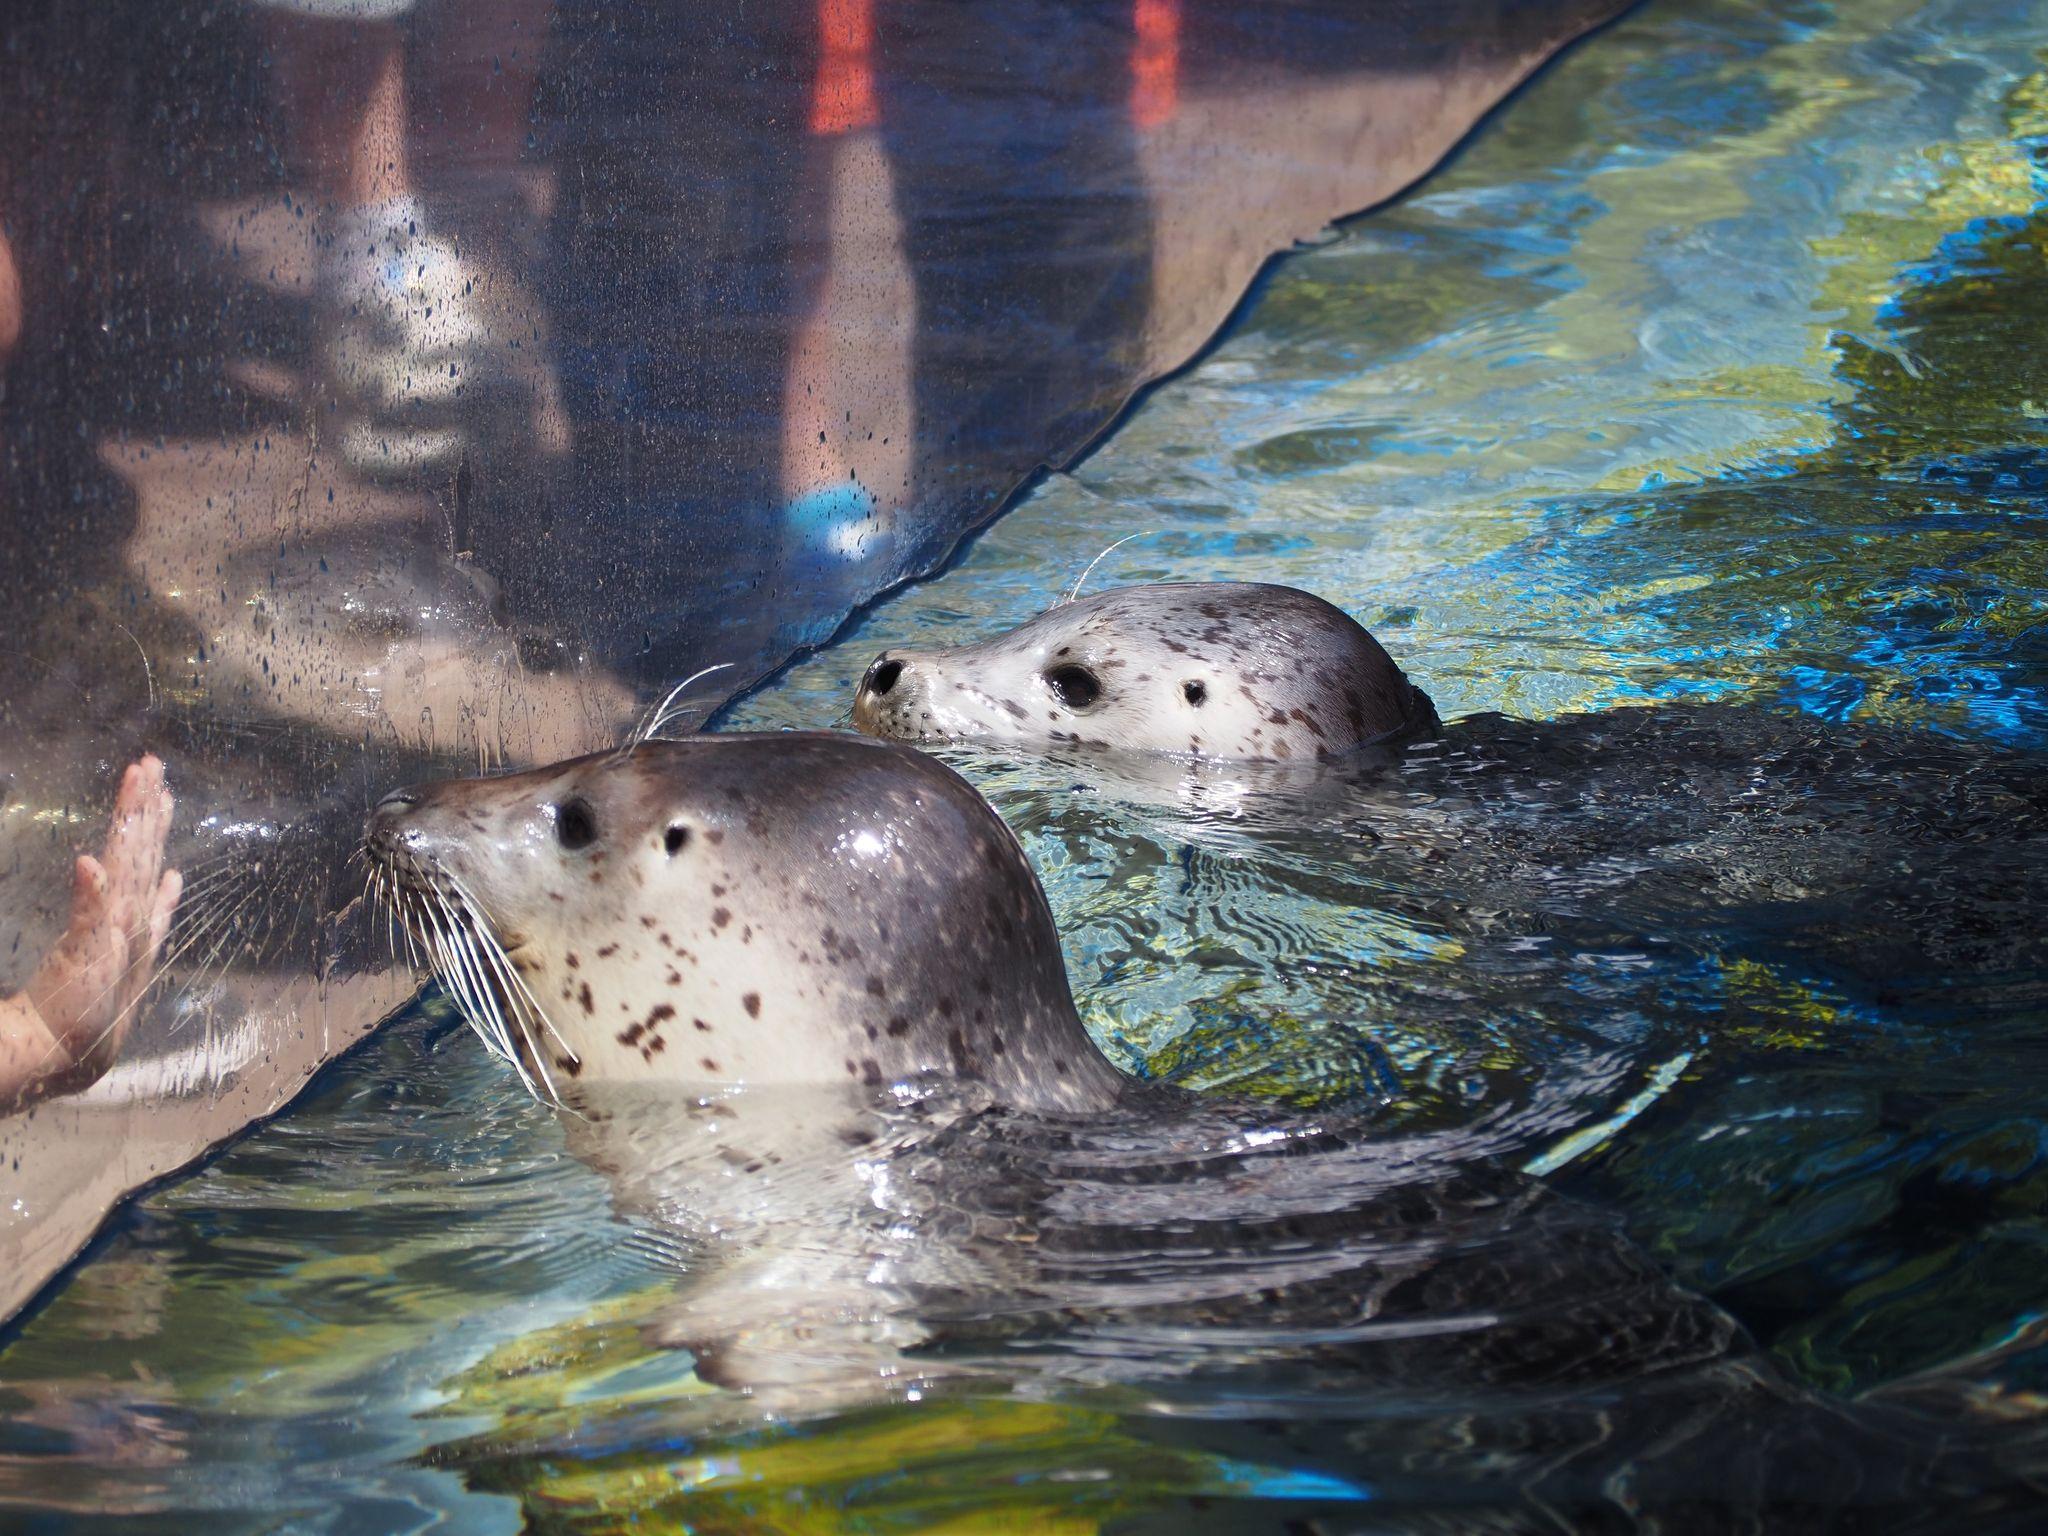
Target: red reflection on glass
{"type": "Point", "coordinates": [843, 99]}
{"type": "Point", "coordinates": [1155, 62]}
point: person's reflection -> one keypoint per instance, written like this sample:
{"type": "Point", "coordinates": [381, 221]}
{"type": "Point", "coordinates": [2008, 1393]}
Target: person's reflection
{"type": "Point", "coordinates": [847, 428]}
{"type": "Point", "coordinates": [10, 299]}
{"type": "Point", "coordinates": [1029, 228]}
{"type": "Point", "coordinates": [428, 340]}
{"type": "Point", "coordinates": [330, 576]}
{"type": "Point", "coordinates": [207, 579]}
{"type": "Point", "coordinates": [988, 242]}
{"type": "Point", "coordinates": [675, 284]}
{"type": "Point", "coordinates": [66, 1027]}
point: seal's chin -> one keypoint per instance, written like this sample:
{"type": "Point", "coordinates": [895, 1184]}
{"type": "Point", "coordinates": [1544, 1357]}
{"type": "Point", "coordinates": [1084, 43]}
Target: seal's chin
{"type": "Point", "coordinates": [873, 718]}
{"type": "Point", "coordinates": [909, 721]}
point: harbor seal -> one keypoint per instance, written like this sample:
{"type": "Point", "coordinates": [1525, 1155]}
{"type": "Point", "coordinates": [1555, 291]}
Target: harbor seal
{"type": "Point", "coordinates": [913, 1192]}
{"type": "Point", "coordinates": [763, 909]}
{"type": "Point", "coordinates": [1232, 670]}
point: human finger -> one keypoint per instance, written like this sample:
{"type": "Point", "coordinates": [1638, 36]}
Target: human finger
{"type": "Point", "coordinates": [168, 890]}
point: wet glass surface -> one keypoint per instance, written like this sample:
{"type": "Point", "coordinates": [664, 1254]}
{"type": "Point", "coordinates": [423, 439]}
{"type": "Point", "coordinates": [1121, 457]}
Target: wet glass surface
{"type": "Point", "coordinates": [396, 386]}
{"type": "Point", "coordinates": [1630, 1106]}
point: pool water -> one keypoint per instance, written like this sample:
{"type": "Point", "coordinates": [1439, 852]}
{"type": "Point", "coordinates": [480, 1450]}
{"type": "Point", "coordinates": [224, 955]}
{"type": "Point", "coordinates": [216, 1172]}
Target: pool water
{"type": "Point", "coordinates": [1684, 438]}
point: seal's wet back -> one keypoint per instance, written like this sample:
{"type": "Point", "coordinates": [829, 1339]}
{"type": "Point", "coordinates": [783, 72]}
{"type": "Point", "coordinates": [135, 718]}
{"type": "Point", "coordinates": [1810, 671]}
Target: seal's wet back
{"type": "Point", "coordinates": [769, 909]}
{"type": "Point", "coordinates": [1214, 669]}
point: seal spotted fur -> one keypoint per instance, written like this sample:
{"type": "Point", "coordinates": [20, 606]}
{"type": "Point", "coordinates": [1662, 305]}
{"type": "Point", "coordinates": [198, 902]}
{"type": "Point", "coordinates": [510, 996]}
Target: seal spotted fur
{"type": "Point", "coordinates": [762, 909]}
{"type": "Point", "coordinates": [1237, 670]}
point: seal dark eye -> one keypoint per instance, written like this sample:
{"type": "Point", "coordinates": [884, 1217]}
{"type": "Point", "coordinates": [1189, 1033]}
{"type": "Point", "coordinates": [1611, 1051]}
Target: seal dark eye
{"type": "Point", "coordinates": [575, 824]}
{"type": "Point", "coordinates": [1077, 687]}
{"type": "Point", "coordinates": [1195, 692]}
{"type": "Point", "coordinates": [678, 836]}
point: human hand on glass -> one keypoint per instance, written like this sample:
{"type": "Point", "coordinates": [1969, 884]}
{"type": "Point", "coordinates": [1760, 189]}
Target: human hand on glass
{"type": "Point", "coordinates": [67, 1026]}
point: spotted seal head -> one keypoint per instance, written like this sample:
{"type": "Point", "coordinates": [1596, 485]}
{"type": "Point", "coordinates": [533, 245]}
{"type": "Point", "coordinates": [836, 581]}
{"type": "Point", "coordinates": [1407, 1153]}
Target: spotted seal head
{"type": "Point", "coordinates": [1236, 670]}
{"type": "Point", "coordinates": [743, 909]}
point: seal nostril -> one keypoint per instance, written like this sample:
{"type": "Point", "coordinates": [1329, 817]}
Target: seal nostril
{"type": "Point", "coordinates": [882, 677]}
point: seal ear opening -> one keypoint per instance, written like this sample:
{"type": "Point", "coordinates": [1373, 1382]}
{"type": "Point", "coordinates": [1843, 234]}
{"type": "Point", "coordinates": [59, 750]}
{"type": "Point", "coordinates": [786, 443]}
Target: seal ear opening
{"type": "Point", "coordinates": [1195, 691]}
{"type": "Point", "coordinates": [676, 839]}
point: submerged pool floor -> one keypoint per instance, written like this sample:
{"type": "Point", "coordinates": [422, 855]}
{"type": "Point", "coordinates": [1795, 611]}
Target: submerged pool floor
{"type": "Point", "coordinates": [1696, 420]}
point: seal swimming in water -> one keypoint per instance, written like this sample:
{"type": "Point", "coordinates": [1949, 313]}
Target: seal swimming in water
{"type": "Point", "coordinates": [804, 999]}
{"type": "Point", "coordinates": [1234, 670]}
{"type": "Point", "coordinates": [896, 1158]}
{"type": "Point", "coordinates": [767, 909]}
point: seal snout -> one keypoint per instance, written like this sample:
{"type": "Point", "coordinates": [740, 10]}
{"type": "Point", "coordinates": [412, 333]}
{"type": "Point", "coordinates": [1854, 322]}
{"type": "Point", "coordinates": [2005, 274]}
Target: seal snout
{"type": "Point", "coordinates": [881, 701]}
{"type": "Point", "coordinates": [389, 817]}
{"type": "Point", "coordinates": [393, 832]}
{"type": "Point", "coordinates": [409, 838]}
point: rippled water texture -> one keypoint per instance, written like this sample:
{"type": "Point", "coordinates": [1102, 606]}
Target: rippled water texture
{"type": "Point", "coordinates": [1684, 440]}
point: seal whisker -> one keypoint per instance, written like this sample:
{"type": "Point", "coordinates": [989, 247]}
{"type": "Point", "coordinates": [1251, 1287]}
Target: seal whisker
{"type": "Point", "coordinates": [206, 885]}
{"type": "Point", "coordinates": [214, 927]}
{"type": "Point", "coordinates": [380, 892]}
{"type": "Point", "coordinates": [452, 956]}
{"type": "Point", "coordinates": [397, 925]}
{"type": "Point", "coordinates": [234, 852]}
{"type": "Point", "coordinates": [458, 967]}
{"type": "Point", "coordinates": [408, 924]}
{"type": "Point", "coordinates": [148, 676]}
{"type": "Point", "coordinates": [379, 884]}
{"type": "Point", "coordinates": [1080, 581]}
{"type": "Point", "coordinates": [210, 874]}
{"type": "Point", "coordinates": [234, 890]}
{"type": "Point", "coordinates": [228, 885]}
{"type": "Point", "coordinates": [209, 919]}
{"type": "Point", "coordinates": [438, 912]}
{"type": "Point", "coordinates": [427, 930]}
{"type": "Point", "coordinates": [660, 715]}
{"type": "Point", "coordinates": [525, 1006]}
{"type": "Point", "coordinates": [481, 998]}
{"type": "Point", "coordinates": [213, 931]}
{"type": "Point", "coordinates": [523, 995]}
{"type": "Point", "coordinates": [217, 934]}
{"type": "Point", "coordinates": [441, 947]}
